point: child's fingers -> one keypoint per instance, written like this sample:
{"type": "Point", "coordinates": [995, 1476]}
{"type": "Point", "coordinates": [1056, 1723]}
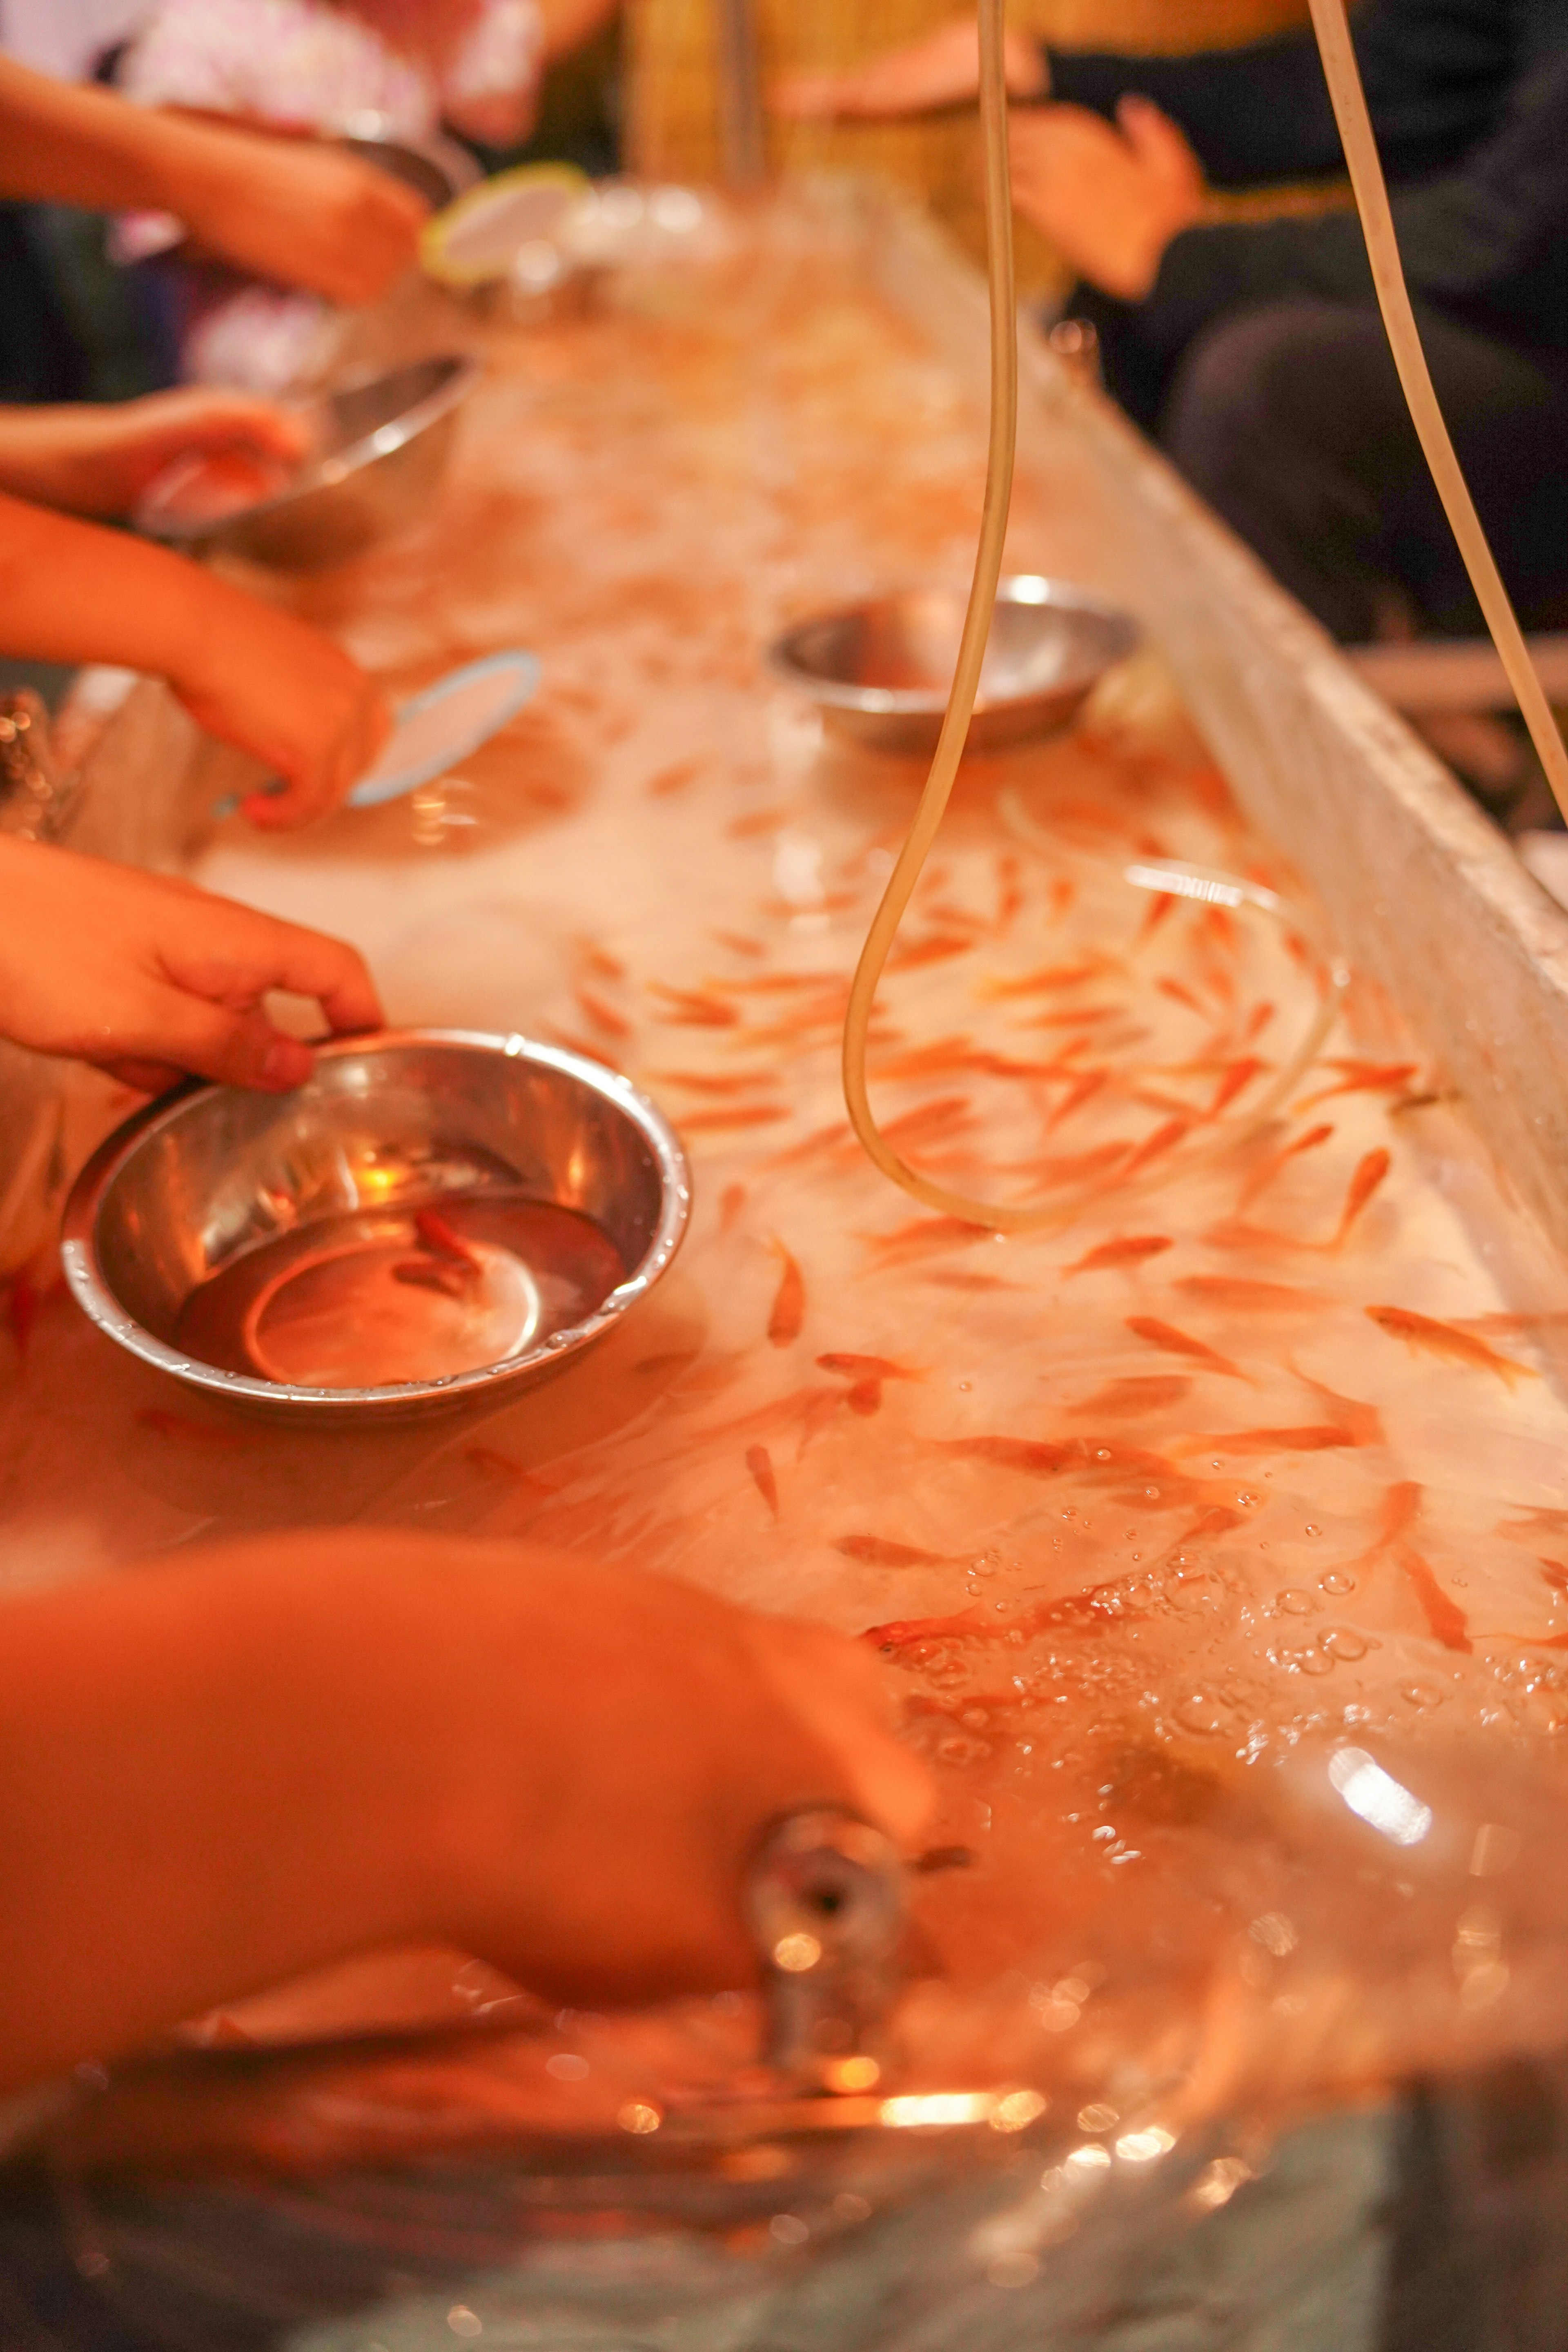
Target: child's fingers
{"type": "Point", "coordinates": [237, 1049]}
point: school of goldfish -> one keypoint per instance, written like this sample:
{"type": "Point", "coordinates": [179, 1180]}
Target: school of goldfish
{"type": "Point", "coordinates": [1262, 1446]}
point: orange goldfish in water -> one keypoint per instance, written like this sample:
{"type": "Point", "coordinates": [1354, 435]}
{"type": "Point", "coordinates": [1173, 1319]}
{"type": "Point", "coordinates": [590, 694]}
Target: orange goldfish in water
{"type": "Point", "coordinates": [1447, 1341]}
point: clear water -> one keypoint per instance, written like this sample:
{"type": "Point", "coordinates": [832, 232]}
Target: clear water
{"type": "Point", "coordinates": [375, 1297]}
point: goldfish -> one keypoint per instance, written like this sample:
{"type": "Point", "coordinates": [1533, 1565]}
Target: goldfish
{"type": "Point", "coordinates": [1263, 1175]}
{"type": "Point", "coordinates": [788, 1312]}
{"type": "Point", "coordinates": [922, 1236]}
{"type": "Point", "coordinates": [1127, 1398]}
{"type": "Point", "coordinates": [709, 1082]}
{"type": "Point", "coordinates": [1316, 1438]}
{"type": "Point", "coordinates": [1446, 1620]}
{"type": "Point", "coordinates": [694, 1009]}
{"type": "Point", "coordinates": [603, 1013]}
{"type": "Point", "coordinates": [1164, 1138]}
{"type": "Point", "coordinates": [738, 944]}
{"type": "Point", "coordinates": [437, 1235]}
{"type": "Point", "coordinates": [599, 960]}
{"type": "Point", "coordinates": [1100, 1603]}
{"type": "Point", "coordinates": [1447, 1341]}
{"type": "Point", "coordinates": [1364, 1078]}
{"type": "Point", "coordinates": [1369, 1174]}
{"type": "Point", "coordinates": [736, 1114]}
{"type": "Point", "coordinates": [1250, 1297]}
{"type": "Point", "coordinates": [867, 1368]}
{"type": "Point", "coordinates": [1083, 1089]}
{"type": "Point", "coordinates": [673, 779]}
{"type": "Point", "coordinates": [1128, 1249]}
{"type": "Point", "coordinates": [731, 1201]}
{"type": "Point", "coordinates": [1180, 1343]}
{"type": "Point", "coordinates": [759, 1463]}
{"type": "Point", "coordinates": [877, 1551]}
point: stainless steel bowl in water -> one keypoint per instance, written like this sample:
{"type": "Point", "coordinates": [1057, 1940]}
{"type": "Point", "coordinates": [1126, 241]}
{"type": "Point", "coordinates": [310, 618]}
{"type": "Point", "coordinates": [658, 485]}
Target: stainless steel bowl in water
{"type": "Point", "coordinates": [880, 671]}
{"type": "Point", "coordinates": [380, 443]}
{"type": "Point", "coordinates": [215, 1180]}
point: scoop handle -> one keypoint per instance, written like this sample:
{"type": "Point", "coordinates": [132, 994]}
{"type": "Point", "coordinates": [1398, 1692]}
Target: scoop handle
{"type": "Point", "coordinates": [826, 1900]}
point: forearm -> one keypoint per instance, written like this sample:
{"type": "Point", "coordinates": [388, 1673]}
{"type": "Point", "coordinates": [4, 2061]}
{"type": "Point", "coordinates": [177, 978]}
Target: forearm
{"type": "Point", "coordinates": [72, 143]}
{"type": "Point", "coordinates": [212, 1778]}
{"type": "Point", "coordinates": [74, 591]}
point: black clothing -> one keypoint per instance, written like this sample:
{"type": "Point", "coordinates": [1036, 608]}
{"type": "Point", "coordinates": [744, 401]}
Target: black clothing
{"type": "Point", "coordinates": [1469, 101]}
{"type": "Point", "coordinates": [1289, 419]}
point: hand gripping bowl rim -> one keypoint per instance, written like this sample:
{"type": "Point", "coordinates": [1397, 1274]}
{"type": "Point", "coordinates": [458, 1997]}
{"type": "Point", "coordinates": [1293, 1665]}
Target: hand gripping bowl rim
{"type": "Point", "coordinates": [325, 473]}
{"type": "Point", "coordinates": [80, 1262]}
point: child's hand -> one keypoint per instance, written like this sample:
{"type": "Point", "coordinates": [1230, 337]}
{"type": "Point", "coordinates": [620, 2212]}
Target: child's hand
{"type": "Point", "coordinates": [150, 977]}
{"type": "Point", "coordinates": [281, 691]}
{"type": "Point", "coordinates": [97, 459]}
{"type": "Point", "coordinates": [301, 215]}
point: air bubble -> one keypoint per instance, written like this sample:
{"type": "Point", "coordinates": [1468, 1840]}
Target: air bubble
{"type": "Point", "coordinates": [1341, 1642]}
{"type": "Point", "coordinates": [1423, 1694]}
{"type": "Point", "coordinates": [1295, 1602]}
{"type": "Point", "coordinates": [1202, 1714]}
{"type": "Point", "coordinates": [1338, 1581]}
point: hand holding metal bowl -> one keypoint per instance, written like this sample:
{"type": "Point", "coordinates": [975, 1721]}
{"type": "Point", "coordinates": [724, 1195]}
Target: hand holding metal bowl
{"type": "Point", "coordinates": [379, 445]}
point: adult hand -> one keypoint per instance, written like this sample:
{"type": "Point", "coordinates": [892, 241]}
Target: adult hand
{"type": "Point", "coordinates": [97, 458]}
{"type": "Point", "coordinates": [247, 1763]}
{"type": "Point", "coordinates": [633, 1739]}
{"type": "Point", "coordinates": [274, 686]}
{"type": "Point", "coordinates": [297, 212]}
{"type": "Point", "coordinates": [941, 70]}
{"type": "Point", "coordinates": [150, 977]}
{"type": "Point", "coordinates": [1108, 197]}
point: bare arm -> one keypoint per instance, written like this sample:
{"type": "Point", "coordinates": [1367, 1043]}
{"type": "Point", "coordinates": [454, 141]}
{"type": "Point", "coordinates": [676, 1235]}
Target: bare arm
{"type": "Point", "coordinates": [150, 979]}
{"type": "Point", "coordinates": [252, 675]}
{"type": "Point", "coordinates": [98, 457]}
{"type": "Point", "coordinates": [233, 1768]}
{"type": "Point", "coordinates": [942, 69]}
{"type": "Point", "coordinates": [303, 215]}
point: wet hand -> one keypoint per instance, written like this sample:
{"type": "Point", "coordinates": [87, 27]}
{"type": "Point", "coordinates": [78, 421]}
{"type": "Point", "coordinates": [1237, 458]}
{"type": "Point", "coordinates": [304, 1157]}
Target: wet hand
{"type": "Point", "coordinates": [1108, 197]}
{"type": "Point", "coordinates": [150, 979]}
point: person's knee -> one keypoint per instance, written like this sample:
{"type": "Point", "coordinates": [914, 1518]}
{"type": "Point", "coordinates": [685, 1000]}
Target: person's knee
{"type": "Point", "coordinates": [1234, 404]}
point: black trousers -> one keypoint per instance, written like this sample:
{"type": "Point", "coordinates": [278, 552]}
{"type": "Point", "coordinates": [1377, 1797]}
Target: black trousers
{"type": "Point", "coordinates": [1289, 419]}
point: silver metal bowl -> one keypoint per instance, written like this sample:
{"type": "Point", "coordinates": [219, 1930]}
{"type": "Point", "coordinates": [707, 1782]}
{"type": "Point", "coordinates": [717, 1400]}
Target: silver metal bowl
{"type": "Point", "coordinates": [216, 1181]}
{"type": "Point", "coordinates": [436, 167]}
{"type": "Point", "coordinates": [880, 671]}
{"type": "Point", "coordinates": [379, 445]}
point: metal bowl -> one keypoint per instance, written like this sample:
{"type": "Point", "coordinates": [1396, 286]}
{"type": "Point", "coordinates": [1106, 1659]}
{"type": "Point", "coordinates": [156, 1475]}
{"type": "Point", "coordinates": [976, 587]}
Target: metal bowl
{"type": "Point", "coordinates": [379, 442]}
{"type": "Point", "coordinates": [436, 167]}
{"type": "Point", "coordinates": [389, 1128]}
{"type": "Point", "coordinates": [882, 671]}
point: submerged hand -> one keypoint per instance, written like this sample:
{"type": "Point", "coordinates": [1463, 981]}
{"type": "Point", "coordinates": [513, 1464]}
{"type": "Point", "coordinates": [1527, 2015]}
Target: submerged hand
{"type": "Point", "coordinates": [1110, 198]}
{"type": "Point", "coordinates": [150, 977]}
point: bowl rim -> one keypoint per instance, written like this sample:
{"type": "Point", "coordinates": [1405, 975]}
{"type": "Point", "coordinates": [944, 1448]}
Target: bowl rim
{"type": "Point", "coordinates": [82, 1267]}
{"type": "Point", "coordinates": [325, 473]}
{"type": "Point", "coordinates": [1025, 589]}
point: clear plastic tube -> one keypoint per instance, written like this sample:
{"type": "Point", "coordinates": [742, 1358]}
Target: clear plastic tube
{"type": "Point", "coordinates": [1344, 77]}
{"type": "Point", "coordinates": [944, 766]}
{"type": "Point", "coordinates": [1338, 53]}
